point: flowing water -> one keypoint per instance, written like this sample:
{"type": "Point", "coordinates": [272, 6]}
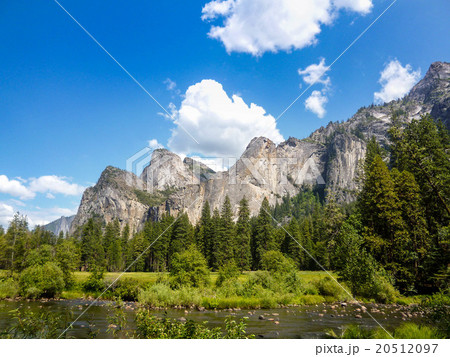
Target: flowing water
{"type": "Point", "coordinates": [293, 322]}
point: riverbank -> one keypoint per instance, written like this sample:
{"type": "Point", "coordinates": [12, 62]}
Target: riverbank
{"type": "Point", "coordinates": [250, 290]}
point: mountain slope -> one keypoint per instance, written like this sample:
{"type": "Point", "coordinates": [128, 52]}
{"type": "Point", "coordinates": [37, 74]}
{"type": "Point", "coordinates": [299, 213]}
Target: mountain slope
{"type": "Point", "coordinates": [60, 225]}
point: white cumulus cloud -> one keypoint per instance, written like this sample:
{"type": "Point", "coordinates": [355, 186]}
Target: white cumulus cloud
{"type": "Point", "coordinates": [15, 188]}
{"type": "Point", "coordinates": [222, 125]}
{"type": "Point", "coordinates": [55, 184]}
{"type": "Point", "coordinates": [258, 26]}
{"type": "Point", "coordinates": [316, 103]}
{"type": "Point", "coordinates": [316, 74]}
{"type": "Point", "coordinates": [396, 81]}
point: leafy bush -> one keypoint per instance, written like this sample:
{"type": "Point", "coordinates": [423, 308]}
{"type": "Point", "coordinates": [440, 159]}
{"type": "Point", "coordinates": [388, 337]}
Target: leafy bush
{"type": "Point", "coordinates": [161, 295]}
{"type": "Point", "coordinates": [329, 287]}
{"type": "Point", "coordinates": [436, 309]}
{"type": "Point", "coordinates": [275, 262]}
{"type": "Point", "coordinates": [29, 324]}
{"type": "Point", "coordinates": [39, 256]}
{"type": "Point", "coordinates": [148, 326]}
{"type": "Point", "coordinates": [127, 289]}
{"type": "Point", "coordinates": [189, 269]}
{"type": "Point", "coordinates": [293, 283]}
{"type": "Point", "coordinates": [95, 282]}
{"type": "Point", "coordinates": [9, 288]}
{"type": "Point", "coordinates": [41, 281]}
{"type": "Point", "coordinates": [229, 271]}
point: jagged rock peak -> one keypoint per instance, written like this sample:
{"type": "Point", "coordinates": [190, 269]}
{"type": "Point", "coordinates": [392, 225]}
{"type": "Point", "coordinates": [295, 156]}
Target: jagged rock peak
{"type": "Point", "coordinates": [258, 147]}
{"type": "Point", "coordinates": [436, 77]}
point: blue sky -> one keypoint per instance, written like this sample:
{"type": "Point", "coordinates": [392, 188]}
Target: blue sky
{"type": "Point", "coordinates": [68, 110]}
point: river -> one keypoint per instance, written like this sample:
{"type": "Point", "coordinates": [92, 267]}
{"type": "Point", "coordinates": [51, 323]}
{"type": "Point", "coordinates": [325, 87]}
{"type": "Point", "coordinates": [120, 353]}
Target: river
{"type": "Point", "coordinates": [292, 322]}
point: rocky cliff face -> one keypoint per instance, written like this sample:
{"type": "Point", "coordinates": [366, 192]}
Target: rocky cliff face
{"type": "Point", "coordinates": [60, 225]}
{"type": "Point", "coordinates": [328, 157]}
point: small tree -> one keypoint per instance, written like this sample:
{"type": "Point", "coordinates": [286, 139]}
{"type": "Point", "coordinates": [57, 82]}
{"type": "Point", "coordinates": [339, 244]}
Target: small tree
{"type": "Point", "coordinates": [42, 281]}
{"type": "Point", "coordinates": [189, 268]}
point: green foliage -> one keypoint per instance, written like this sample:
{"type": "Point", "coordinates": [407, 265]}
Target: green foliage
{"type": "Point", "coordinates": [436, 309]}
{"type": "Point", "coordinates": [95, 282]}
{"type": "Point", "coordinates": [189, 269]}
{"type": "Point", "coordinates": [229, 271]}
{"type": "Point", "coordinates": [126, 289]}
{"type": "Point", "coordinates": [357, 268]}
{"type": "Point", "coordinates": [38, 256]}
{"type": "Point", "coordinates": [9, 288]}
{"type": "Point", "coordinates": [275, 262]}
{"type": "Point", "coordinates": [329, 287]}
{"type": "Point", "coordinates": [405, 331]}
{"type": "Point", "coordinates": [243, 236]}
{"type": "Point", "coordinates": [263, 238]}
{"type": "Point", "coordinates": [148, 326]}
{"type": "Point", "coordinates": [28, 324]}
{"type": "Point", "coordinates": [41, 281]}
{"type": "Point", "coordinates": [68, 259]}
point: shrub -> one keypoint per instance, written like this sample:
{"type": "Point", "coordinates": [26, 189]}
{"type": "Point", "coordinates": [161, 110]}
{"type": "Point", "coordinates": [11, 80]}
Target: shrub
{"type": "Point", "coordinates": [148, 326]}
{"type": "Point", "coordinates": [39, 256]}
{"type": "Point", "coordinates": [436, 309]}
{"type": "Point", "coordinates": [229, 271]}
{"type": "Point", "coordinates": [41, 281]}
{"type": "Point", "coordinates": [9, 288]}
{"type": "Point", "coordinates": [329, 287]}
{"type": "Point", "coordinates": [410, 330]}
{"type": "Point", "coordinates": [189, 269]}
{"type": "Point", "coordinates": [95, 281]}
{"type": "Point", "coordinates": [293, 283]}
{"type": "Point", "coordinates": [127, 289]}
{"type": "Point", "coordinates": [160, 295]}
{"type": "Point", "coordinates": [275, 262]}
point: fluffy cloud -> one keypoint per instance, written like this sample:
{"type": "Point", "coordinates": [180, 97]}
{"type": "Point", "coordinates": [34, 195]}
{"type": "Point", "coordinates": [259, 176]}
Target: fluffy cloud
{"type": "Point", "coordinates": [6, 214]}
{"type": "Point", "coordinates": [361, 6]}
{"type": "Point", "coordinates": [315, 74]}
{"type": "Point", "coordinates": [44, 184]}
{"type": "Point", "coordinates": [258, 26]}
{"type": "Point", "coordinates": [15, 188]}
{"type": "Point", "coordinates": [223, 126]}
{"type": "Point", "coordinates": [55, 184]}
{"type": "Point", "coordinates": [396, 81]}
{"type": "Point", "coordinates": [35, 216]}
{"type": "Point", "coordinates": [154, 144]}
{"type": "Point", "coordinates": [316, 103]}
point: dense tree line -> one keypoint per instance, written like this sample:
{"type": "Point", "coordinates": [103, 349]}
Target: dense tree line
{"type": "Point", "coordinates": [396, 233]}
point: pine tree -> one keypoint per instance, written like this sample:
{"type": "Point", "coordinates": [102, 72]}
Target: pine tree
{"type": "Point", "coordinates": [182, 235]}
{"type": "Point", "coordinates": [225, 239]}
{"type": "Point", "coordinates": [293, 241]}
{"type": "Point", "coordinates": [264, 234]}
{"type": "Point", "coordinates": [243, 235]}
{"type": "Point", "coordinates": [416, 248]}
{"type": "Point", "coordinates": [113, 246]}
{"type": "Point", "coordinates": [203, 231]}
{"type": "Point", "coordinates": [92, 252]}
{"type": "Point", "coordinates": [213, 242]}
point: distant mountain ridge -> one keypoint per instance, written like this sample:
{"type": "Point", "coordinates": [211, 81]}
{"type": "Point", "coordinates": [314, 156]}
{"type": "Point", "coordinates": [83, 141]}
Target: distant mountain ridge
{"type": "Point", "coordinates": [60, 225]}
{"type": "Point", "coordinates": [331, 153]}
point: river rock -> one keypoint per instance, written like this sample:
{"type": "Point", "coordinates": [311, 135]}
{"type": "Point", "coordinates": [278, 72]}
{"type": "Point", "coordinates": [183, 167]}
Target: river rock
{"type": "Point", "coordinates": [261, 317]}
